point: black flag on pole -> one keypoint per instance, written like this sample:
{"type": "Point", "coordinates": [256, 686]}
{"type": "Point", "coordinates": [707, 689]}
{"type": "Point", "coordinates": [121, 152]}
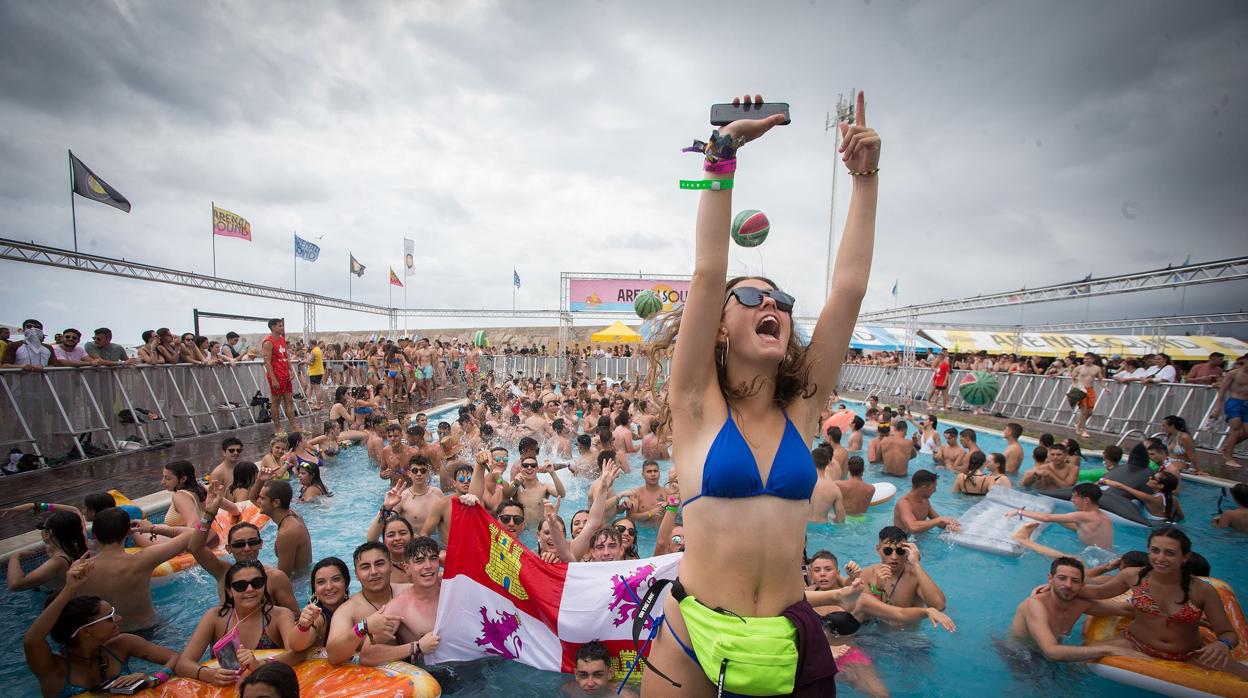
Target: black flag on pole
{"type": "Point", "coordinates": [88, 185]}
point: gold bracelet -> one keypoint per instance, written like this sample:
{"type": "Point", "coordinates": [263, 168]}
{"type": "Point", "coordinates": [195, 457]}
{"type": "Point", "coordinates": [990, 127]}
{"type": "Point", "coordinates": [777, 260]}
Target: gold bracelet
{"type": "Point", "coordinates": [868, 173]}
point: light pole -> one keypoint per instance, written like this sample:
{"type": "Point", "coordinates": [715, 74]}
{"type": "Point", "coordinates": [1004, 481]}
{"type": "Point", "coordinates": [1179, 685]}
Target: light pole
{"type": "Point", "coordinates": [844, 112]}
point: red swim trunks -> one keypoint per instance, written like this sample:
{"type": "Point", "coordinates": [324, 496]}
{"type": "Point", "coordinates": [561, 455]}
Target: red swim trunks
{"type": "Point", "coordinates": [281, 387]}
{"type": "Point", "coordinates": [1089, 400]}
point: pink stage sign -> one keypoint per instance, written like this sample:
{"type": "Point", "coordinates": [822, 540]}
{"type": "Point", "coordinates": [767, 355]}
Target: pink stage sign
{"type": "Point", "coordinates": [596, 295]}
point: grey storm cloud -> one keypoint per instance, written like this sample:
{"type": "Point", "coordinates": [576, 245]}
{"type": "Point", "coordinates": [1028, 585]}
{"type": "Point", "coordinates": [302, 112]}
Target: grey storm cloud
{"type": "Point", "coordinates": [1025, 143]}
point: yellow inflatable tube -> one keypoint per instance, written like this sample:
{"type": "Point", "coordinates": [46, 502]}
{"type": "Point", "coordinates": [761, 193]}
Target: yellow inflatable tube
{"type": "Point", "coordinates": [319, 678]}
{"type": "Point", "coordinates": [221, 526]}
{"type": "Point", "coordinates": [1167, 677]}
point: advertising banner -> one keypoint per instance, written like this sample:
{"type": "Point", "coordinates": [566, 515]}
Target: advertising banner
{"type": "Point", "coordinates": [598, 295]}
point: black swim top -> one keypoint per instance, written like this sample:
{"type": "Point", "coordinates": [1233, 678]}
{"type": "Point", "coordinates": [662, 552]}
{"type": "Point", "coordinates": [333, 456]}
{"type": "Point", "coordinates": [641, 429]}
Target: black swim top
{"type": "Point", "coordinates": [731, 472]}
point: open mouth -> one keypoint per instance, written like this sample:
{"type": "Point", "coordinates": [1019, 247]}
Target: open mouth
{"type": "Point", "coordinates": [768, 327]}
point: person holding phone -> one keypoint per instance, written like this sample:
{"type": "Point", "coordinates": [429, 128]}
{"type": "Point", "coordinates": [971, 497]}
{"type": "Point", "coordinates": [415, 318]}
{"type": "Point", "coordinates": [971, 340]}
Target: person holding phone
{"type": "Point", "coordinates": [742, 404]}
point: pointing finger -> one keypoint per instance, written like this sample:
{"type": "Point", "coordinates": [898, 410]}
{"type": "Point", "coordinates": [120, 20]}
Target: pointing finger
{"type": "Point", "coordinates": [860, 110]}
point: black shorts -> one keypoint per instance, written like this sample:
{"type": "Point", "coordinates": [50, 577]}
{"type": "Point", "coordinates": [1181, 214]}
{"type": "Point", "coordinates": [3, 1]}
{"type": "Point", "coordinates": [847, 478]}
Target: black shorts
{"type": "Point", "coordinates": [315, 380]}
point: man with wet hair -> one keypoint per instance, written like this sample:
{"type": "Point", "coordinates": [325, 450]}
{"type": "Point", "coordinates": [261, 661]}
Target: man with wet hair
{"type": "Point", "coordinates": [898, 589]}
{"type": "Point", "coordinates": [1047, 616]}
{"type": "Point", "coordinates": [913, 513]}
{"type": "Point", "coordinates": [416, 607]}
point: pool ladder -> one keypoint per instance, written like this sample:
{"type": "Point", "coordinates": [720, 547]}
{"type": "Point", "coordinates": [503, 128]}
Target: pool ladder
{"type": "Point", "coordinates": [1155, 435]}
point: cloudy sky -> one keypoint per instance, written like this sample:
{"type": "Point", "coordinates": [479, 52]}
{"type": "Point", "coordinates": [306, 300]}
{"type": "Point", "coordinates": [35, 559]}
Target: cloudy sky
{"type": "Point", "coordinates": [1024, 143]}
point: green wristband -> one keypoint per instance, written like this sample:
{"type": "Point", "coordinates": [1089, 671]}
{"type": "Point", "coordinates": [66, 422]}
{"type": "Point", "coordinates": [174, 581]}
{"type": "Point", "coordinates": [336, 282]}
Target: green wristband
{"type": "Point", "coordinates": [712, 184]}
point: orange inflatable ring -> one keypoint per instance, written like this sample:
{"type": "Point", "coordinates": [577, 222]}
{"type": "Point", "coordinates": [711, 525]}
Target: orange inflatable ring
{"type": "Point", "coordinates": [221, 526]}
{"type": "Point", "coordinates": [319, 678]}
{"type": "Point", "coordinates": [1167, 677]}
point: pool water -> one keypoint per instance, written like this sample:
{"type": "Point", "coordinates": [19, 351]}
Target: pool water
{"type": "Point", "coordinates": [982, 591]}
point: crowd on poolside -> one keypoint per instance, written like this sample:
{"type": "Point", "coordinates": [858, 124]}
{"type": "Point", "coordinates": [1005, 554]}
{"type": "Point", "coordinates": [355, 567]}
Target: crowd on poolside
{"type": "Point", "coordinates": [1151, 368]}
{"type": "Point", "coordinates": [100, 608]}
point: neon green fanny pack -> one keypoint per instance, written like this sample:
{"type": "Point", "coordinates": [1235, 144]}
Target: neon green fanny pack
{"type": "Point", "coordinates": [749, 656]}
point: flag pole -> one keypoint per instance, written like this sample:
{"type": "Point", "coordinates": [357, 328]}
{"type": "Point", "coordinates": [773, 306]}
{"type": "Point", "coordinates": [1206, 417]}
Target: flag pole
{"type": "Point", "coordinates": [350, 274]}
{"type": "Point", "coordinates": [405, 304]}
{"type": "Point", "coordinates": [296, 286]}
{"type": "Point", "coordinates": [214, 240]}
{"type": "Point", "coordinates": [73, 212]}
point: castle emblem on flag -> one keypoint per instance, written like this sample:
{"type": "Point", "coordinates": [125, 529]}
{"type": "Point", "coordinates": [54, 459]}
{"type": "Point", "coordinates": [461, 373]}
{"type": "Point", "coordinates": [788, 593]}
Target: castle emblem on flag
{"type": "Point", "coordinates": [504, 563]}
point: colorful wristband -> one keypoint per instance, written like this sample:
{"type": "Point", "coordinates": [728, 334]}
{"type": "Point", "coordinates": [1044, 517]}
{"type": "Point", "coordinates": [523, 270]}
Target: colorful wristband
{"type": "Point", "coordinates": [712, 184]}
{"type": "Point", "coordinates": [721, 166]}
{"type": "Point", "coordinates": [672, 508]}
{"type": "Point", "coordinates": [302, 628]}
{"type": "Point", "coordinates": [360, 629]}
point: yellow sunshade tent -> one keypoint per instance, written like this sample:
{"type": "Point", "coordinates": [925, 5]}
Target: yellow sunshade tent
{"type": "Point", "coordinates": [617, 333]}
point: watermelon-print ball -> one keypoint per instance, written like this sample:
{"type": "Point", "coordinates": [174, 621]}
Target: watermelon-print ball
{"type": "Point", "coordinates": [647, 304]}
{"type": "Point", "coordinates": [750, 228]}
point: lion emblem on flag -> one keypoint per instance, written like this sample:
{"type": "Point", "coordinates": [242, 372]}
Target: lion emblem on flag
{"type": "Point", "coordinates": [496, 633]}
{"type": "Point", "coordinates": [626, 593]}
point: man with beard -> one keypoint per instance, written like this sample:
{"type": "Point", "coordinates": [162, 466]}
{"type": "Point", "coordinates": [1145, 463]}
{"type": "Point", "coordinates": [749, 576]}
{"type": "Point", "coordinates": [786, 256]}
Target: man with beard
{"type": "Point", "coordinates": [1048, 615]}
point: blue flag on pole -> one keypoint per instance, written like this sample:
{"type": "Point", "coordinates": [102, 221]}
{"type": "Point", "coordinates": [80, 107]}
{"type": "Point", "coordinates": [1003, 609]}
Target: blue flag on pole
{"type": "Point", "coordinates": [895, 283]}
{"type": "Point", "coordinates": [306, 250]}
{"type": "Point", "coordinates": [515, 278]}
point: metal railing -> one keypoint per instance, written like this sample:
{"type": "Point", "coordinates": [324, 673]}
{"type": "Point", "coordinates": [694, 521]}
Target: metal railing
{"type": "Point", "coordinates": [1120, 407]}
{"type": "Point", "coordinates": [347, 372]}
{"type": "Point", "coordinates": [68, 413]}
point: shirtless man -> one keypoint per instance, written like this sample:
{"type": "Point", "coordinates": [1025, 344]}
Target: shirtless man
{"type": "Point", "coordinates": [531, 492]}
{"type": "Point", "coordinates": [364, 615]}
{"type": "Point", "coordinates": [417, 502]}
{"type": "Point", "coordinates": [840, 456]}
{"type": "Point", "coordinates": [1056, 472]}
{"type": "Point", "coordinates": [424, 370]}
{"type": "Point", "coordinates": [454, 354]}
{"type": "Point", "coordinates": [535, 422]}
{"type": "Point", "coordinates": [416, 607]}
{"type": "Point", "coordinates": [873, 446]}
{"type": "Point", "coordinates": [293, 544]}
{"type": "Point", "coordinates": [1091, 524]}
{"type": "Point", "coordinates": [645, 504]}
{"type": "Point", "coordinates": [376, 443]}
{"type": "Point", "coordinates": [968, 440]}
{"type": "Point", "coordinates": [896, 451]}
{"type": "Point", "coordinates": [898, 581]}
{"type": "Point", "coordinates": [395, 456]}
{"type": "Point", "coordinates": [825, 500]}
{"type": "Point", "coordinates": [231, 454]}
{"type": "Point", "coordinates": [855, 436]}
{"type": "Point", "coordinates": [431, 451]}
{"type": "Point", "coordinates": [560, 441]}
{"type": "Point", "coordinates": [1013, 451]}
{"type": "Point", "coordinates": [950, 453]}
{"type": "Point", "coordinates": [913, 513]}
{"type": "Point", "coordinates": [855, 493]}
{"type": "Point", "coordinates": [652, 447]}
{"type": "Point", "coordinates": [1086, 376]}
{"type": "Point", "coordinates": [1047, 616]}
{"type": "Point", "coordinates": [1235, 518]}
{"type": "Point", "coordinates": [125, 580]}
{"type": "Point", "coordinates": [244, 543]}
{"type": "Point", "coordinates": [439, 517]}
{"type": "Point", "coordinates": [1232, 403]}
{"type": "Point", "coordinates": [623, 440]}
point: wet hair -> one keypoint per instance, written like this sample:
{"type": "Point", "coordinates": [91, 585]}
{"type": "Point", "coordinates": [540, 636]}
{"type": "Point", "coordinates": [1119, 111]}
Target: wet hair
{"type": "Point", "coordinates": [266, 601]}
{"type": "Point", "coordinates": [1058, 447]}
{"type": "Point", "coordinates": [527, 443]}
{"type": "Point", "coordinates": [823, 555]}
{"type": "Point", "coordinates": [397, 517]}
{"type": "Point", "coordinates": [110, 525]}
{"type": "Point", "coordinates": [822, 456]}
{"type": "Point", "coordinates": [1068, 561]}
{"type": "Point", "coordinates": [883, 428]}
{"type": "Point", "coordinates": [99, 501]}
{"type": "Point", "coordinates": [584, 441]}
{"type": "Point", "coordinates": [184, 471]}
{"type": "Point", "coordinates": [1185, 547]}
{"type": "Point", "coordinates": [792, 379]}
{"type": "Point", "coordinates": [974, 463]}
{"type": "Point", "coordinates": [891, 534]}
{"type": "Point", "coordinates": [508, 503]}
{"type": "Point", "coordinates": [1239, 492]}
{"type": "Point", "coordinates": [1112, 454]}
{"type": "Point", "coordinates": [365, 547]}
{"type": "Point", "coordinates": [856, 466]}
{"type": "Point", "coordinates": [78, 612]}
{"type": "Point", "coordinates": [1040, 454]}
{"type": "Point", "coordinates": [419, 545]}
{"type": "Point", "coordinates": [858, 423]}
{"type": "Point", "coordinates": [951, 432]}
{"type": "Point", "coordinates": [1169, 483]}
{"type": "Point", "coordinates": [969, 434]}
{"type": "Point", "coordinates": [1014, 429]}
{"type": "Point", "coordinates": [315, 471]}
{"type": "Point", "coordinates": [280, 677]}
{"type": "Point", "coordinates": [280, 492]}
{"type": "Point", "coordinates": [238, 527]}
{"type": "Point", "coordinates": [1072, 448]}
{"type": "Point", "coordinates": [901, 426]}
{"type": "Point", "coordinates": [592, 651]}
{"type": "Point", "coordinates": [245, 474]}
{"type": "Point", "coordinates": [610, 533]}
{"type": "Point", "coordinates": [1088, 490]}
{"type": "Point", "coordinates": [342, 568]}
{"type": "Point", "coordinates": [834, 434]}
{"type": "Point", "coordinates": [66, 529]}
{"type": "Point", "coordinates": [1134, 558]}
{"type": "Point", "coordinates": [1177, 422]}
{"type": "Point", "coordinates": [293, 439]}
{"type": "Point", "coordinates": [922, 477]}
{"type": "Point", "coordinates": [605, 455]}
{"type": "Point", "coordinates": [996, 458]}
{"type": "Point", "coordinates": [1046, 440]}
{"type": "Point", "coordinates": [1155, 445]}
{"type": "Point", "coordinates": [932, 418]}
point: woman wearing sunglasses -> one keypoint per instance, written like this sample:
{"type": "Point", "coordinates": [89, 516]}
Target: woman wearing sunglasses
{"type": "Point", "coordinates": [742, 404]}
{"type": "Point", "coordinates": [94, 650]}
{"type": "Point", "coordinates": [247, 621]}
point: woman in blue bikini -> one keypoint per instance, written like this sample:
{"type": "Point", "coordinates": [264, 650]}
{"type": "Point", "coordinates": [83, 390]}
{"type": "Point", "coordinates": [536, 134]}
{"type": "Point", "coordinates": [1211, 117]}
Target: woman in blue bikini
{"type": "Point", "coordinates": [742, 403]}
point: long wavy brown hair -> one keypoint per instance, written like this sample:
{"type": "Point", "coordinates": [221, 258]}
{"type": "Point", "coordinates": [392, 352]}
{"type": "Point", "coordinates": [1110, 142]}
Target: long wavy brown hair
{"type": "Point", "coordinates": [792, 376]}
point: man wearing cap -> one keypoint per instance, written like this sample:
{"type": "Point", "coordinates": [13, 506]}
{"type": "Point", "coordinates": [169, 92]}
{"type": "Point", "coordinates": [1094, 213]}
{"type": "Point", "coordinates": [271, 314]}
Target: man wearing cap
{"type": "Point", "coordinates": [1207, 373]}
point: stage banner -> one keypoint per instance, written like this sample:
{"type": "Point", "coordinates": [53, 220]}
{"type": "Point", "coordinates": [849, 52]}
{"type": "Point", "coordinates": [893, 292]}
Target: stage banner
{"type": "Point", "coordinates": [597, 295]}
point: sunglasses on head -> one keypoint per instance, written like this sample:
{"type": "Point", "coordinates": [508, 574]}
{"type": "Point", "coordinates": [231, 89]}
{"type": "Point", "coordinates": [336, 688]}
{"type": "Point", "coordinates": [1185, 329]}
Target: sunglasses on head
{"type": "Point", "coordinates": [241, 585]}
{"type": "Point", "coordinates": [752, 297]}
{"type": "Point", "coordinates": [511, 518]}
{"type": "Point", "coordinates": [112, 615]}
{"type": "Point", "coordinates": [246, 543]}
{"type": "Point", "coordinates": [888, 550]}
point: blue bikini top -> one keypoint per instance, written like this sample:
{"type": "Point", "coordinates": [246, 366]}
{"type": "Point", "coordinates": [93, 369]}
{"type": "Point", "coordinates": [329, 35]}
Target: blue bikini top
{"type": "Point", "coordinates": [731, 472]}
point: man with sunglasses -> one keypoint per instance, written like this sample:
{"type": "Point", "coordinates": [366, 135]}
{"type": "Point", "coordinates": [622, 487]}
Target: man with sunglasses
{"type": "Point", "coordinates": [416, 606]}
{"type": "Point", "coordinates": [418, 502]}
{"type": "Point", "coordinates": [530, 491]}
{"type": "Point", "coordinates": [68, 352]}
{"type": "Point", "coordinates": [439, 518]}
{"type": "Point", "coordinates": [102, 349]}
{"type": "Point", "coordinates": [243, 542]}
{"type": "Point", "coordinates": [231, 454]}
{"type": "Point", "coordinates": [899, 582]}
{"type": "Point", "coordinates": [293, 543]}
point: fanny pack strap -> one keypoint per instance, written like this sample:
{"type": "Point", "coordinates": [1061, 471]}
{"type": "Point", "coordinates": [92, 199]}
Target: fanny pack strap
{"type": "Point", "coordinates": [644, 606]}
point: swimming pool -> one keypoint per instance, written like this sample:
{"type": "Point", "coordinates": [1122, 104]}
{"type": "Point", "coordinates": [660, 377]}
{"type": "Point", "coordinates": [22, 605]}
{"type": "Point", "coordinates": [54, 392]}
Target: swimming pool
{"type": "Point", "coordinates": [982, 590]}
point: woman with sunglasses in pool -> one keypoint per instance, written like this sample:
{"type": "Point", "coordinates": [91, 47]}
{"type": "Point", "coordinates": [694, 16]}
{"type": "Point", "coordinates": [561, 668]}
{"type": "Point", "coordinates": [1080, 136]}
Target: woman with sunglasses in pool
{"type": "Point", "coordinates": [94, 650]}
{"type": "Point", "coordinates": [247, 621]}
{"type": "Point", "coordinates": [742, 404]}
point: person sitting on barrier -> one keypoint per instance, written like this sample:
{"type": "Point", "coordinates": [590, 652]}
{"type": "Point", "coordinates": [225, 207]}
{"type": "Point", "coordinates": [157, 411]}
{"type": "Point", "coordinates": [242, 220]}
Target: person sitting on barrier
{"type": "Point", "coordinates": [1235, 518]}
{"type": "Point", "coordinates": [1048, 614]}
{"type": "Point", "coordinates": [63, 542]}
{"type": "Point", "coordinates": [1091, 524]}
{"type": "Point", "coordinates": [913, 513]}
{"type": "Point", "coordinates": [243, 541]}
{"type": "Point", "coordinates": [1163, 629]}
{"type": "Point", "coordinates": [125, 579]}
{"type": "Point", "coordinates": [293, 544]}
{"type": "Point", "coordinates": [1162, 503]}
{"type": "Point", "coordinates": [1054, 473]}
{"type": "Point", "coordinates": [898, 589]}
{"type": "Point", "coordinates": [94, 651]}
{"type": "Point", "coordinates": [856, 494]}
{"type": "Point", "coordinates": [246, 621]}
{"type": "Point", "coordinates": [950, 453]}
{"type": "Point", "coordinates": [1181, 446]}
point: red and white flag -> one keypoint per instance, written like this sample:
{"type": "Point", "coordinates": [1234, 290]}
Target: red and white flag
{"type": "Point", "coordinates": [499, 599]}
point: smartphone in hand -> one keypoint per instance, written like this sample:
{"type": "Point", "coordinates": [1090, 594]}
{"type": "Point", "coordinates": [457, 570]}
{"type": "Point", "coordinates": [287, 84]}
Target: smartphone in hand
{"type": "Point", "coordinates": [724, 114]}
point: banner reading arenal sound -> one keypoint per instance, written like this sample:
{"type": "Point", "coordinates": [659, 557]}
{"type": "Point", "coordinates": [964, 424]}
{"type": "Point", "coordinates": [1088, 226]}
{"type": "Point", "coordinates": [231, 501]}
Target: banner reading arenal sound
{"type": "Point", "coordinates": [499, 599]}
{"type": "Point", "coordinates": [596, 295]}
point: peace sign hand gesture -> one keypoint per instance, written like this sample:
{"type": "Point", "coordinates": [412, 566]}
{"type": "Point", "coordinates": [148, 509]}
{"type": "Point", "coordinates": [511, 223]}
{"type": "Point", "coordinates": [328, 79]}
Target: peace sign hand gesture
{"type": "Point", "coordinates": [860, 146]}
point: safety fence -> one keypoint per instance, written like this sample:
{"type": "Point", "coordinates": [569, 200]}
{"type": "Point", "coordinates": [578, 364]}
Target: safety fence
{"type": "Point", "coordinates": [1120, 410]}
{"type": "Point", "coordinates": [357, 372]}
{"type": "Point", "coordinates": [73, 413]}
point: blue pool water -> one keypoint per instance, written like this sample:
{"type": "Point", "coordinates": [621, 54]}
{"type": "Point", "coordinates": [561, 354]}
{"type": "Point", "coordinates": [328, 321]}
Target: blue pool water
{"type": "Point", "coordinates": [982, 589]}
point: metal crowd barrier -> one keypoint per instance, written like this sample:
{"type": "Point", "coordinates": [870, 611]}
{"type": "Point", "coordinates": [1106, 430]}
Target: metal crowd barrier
{"type": "Point", "coordinates": [1120, 407]}
{"type": "Point", "coordinates": [68, 413]}
{"type": "Point", "coordinates": [356, 372]}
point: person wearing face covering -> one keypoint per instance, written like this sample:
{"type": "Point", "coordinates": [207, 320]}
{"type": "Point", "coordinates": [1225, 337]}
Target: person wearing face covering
{"type": "Point", "coordinates": [30, 353]}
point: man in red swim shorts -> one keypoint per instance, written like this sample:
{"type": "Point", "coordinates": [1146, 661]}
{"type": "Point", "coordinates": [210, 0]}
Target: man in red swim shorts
{"type": "Point", "coordinates": [277, 371]}
{"type": "Point", "coordinates": [940, 383]}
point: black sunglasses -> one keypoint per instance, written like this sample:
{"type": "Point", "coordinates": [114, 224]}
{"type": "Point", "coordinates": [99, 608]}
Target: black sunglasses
{"type": "Point", "coordinates": [242, 584]}
{"type": "Point", "coordinates": [420, 471]}
{"type": "Point", "coordinates": [248, 543]}
{"type": "Point", "coordinates": [752, 297]}
{"type": "Point", "coordinates": [889, 550]}
{"type": "Point", "coordinates": [511, 518]}
{"type": "Point", "coordinates": [625, 529]}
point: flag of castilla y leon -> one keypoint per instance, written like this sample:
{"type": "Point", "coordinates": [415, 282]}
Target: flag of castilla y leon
{"type": "Point", "coordinates": [230, 224]}
{"type": "Point", "coordinates": [499, 599]}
